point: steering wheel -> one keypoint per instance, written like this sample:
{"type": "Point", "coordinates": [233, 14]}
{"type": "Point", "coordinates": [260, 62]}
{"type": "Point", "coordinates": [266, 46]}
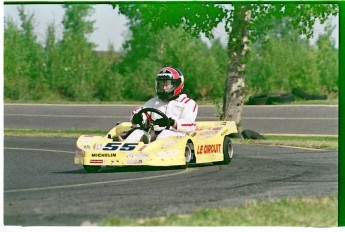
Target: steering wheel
{"type": "Point", "coordinates": [150, 122]}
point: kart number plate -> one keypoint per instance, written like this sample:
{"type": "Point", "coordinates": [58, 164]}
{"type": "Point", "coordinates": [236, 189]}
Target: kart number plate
{"type": "Point", "coordinates": [120, 146]}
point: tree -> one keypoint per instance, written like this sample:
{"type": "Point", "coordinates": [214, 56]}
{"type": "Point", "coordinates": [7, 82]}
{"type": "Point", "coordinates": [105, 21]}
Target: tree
{"type": "Point", "coordinates": [282, 62]}
{"type": "Point", "coordinates": [243, 22]}
{"type": "Point", "coordinates": [52, 57]}
{"type": "Point", "coordinates": [24, 59]}
{"type": "Point", "coordinates": [15, 83]}
{"type": "Point", "coordinates": [77, 55]}
{"type": "Point", "coordinates": [327, 57]}
{"type": "Point", "coordinates": [145, 52]}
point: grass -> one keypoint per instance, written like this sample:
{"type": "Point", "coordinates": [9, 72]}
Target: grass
{"type": "Point", "coordinates": [302, 212]}
{"type": "Point", "coordinates": [316, 102]}
{"type": "Point", "coordinates": [314, 142]}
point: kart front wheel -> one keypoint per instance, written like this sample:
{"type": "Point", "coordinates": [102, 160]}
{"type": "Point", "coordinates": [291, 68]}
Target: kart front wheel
{"type": "Point", "coordinates": [228, 151]}
{"type": "Point", "coordinates": [90, 168]}
{"type": "Point", "coordinates": [189, 153]}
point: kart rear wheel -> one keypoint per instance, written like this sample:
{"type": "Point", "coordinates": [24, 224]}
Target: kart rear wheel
{"type": "Point", "coordinates": [228, 151]}
{"type": "Point", "coordinates": [90, 168]}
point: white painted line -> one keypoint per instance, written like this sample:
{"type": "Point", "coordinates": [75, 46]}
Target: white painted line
{"type": "Point", "coordinates": [43, 150]}
{"type": "Point", "coordinates": [127, 117]}
{"type": "Point", "coordinates": [296, 105]}
{"type": "Point", "coordinates": [287, 146]}
{"type": "Point", "coordinates": [142, 103]}
{"type": "Point", "coordinates": [94, 183]}
{"type": "Point", "coordinates": [281, 118]}
{"type": "Point", "coordinates": [301, 135]}
{"type": "Point", "coordinates": [65, 116]}
{"type": "Point", "coordinates": [72, 104]}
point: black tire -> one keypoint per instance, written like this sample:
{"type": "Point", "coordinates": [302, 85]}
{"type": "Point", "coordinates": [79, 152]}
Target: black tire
{"type": "Point", "coordinates": [228, 152]}
{"type": "Point", "coordinates": [273, 98]}
{"type": "Point", "coordinates": [286, 97]}
{"type": "Point", "coordinates": [300, 93]}
{"type": "Point", "coordinates": [189, 153]}
{"type": "Point", "coordinates": [90, 168]}
{"type": "Point", "coordinates": [319, 97]}
{"type": "Point", "coordinates": [258, 99]}
{"type": "Point", "coordinates": [280, 98]}
{"type": "Point", "coordinates": [235, 135]}
{"type": "Point", "coordinates": [250, 134]}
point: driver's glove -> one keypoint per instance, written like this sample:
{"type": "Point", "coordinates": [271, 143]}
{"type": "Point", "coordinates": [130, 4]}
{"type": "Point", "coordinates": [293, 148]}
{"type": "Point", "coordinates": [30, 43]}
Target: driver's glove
{"type": "Point", "coordinates": [162, 122]}
{"type": "Point", "coordinates": [137, 118]}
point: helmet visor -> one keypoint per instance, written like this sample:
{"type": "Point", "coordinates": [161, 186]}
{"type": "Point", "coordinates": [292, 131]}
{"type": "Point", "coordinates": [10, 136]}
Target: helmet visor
{"type": "Point", "coordinates": [165, 86]}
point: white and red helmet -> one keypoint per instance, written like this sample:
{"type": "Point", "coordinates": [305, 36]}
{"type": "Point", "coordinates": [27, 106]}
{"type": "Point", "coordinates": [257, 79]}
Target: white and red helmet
{"type": "Point", "coordinates": [169, 83]}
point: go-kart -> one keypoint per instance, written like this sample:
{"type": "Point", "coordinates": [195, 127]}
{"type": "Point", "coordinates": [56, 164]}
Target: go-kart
{"type": "Point", "coordinates": [209, 143]}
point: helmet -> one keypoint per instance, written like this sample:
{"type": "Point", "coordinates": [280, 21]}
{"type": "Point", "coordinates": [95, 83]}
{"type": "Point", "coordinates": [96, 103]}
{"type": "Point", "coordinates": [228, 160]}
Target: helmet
{"type": "Point", "coordinates": [169, 83]}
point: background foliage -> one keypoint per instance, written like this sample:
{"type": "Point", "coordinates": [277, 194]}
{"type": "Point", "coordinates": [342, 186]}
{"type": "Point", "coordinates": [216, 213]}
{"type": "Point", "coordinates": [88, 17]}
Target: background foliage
{"type": "Point", "coordinates": [70, 68]}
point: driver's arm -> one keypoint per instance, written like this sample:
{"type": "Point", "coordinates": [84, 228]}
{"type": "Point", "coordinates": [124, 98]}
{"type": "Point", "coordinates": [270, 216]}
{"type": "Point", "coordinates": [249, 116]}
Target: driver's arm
{"type": "Point", "coordinates": [186, 122]}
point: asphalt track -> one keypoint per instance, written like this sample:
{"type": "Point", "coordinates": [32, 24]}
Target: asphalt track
{"type": "Point", "coordinates": [42, 186]}
{"type": "Point", "coordinates": [281, 119]}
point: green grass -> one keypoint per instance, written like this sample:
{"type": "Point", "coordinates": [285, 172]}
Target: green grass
{"type": "Point", "coordinates": [333, 100]}
{"type": "Point", "coordinates": [302, 212]}
{"type": "Point", "coordinates": [314, 142]}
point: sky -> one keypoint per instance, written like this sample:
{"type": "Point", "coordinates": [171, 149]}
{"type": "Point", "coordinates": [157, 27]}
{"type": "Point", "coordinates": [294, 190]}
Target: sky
{"type": "Point", "coordinates": [110, 27]}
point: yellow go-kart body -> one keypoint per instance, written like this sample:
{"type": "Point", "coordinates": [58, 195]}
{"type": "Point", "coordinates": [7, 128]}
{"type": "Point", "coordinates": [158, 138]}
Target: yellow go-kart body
{"type": "Point", "coordinates": [209, 143]}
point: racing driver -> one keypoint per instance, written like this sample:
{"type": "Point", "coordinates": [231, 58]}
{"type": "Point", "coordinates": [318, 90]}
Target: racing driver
{"type": "Point", "coordinates": [180, 109]}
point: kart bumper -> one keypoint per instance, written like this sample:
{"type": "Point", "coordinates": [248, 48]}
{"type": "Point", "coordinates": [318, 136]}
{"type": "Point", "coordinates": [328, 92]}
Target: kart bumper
{"type": "Point", "coordinates": [168, 157]}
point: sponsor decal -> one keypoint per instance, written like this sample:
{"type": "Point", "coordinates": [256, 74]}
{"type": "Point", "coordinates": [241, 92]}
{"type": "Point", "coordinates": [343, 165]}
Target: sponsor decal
{"type": "Point", "coordinates": [137, 156]}
{"type": "Point", "coordinates": [87, 147]}
{"type": "Point", "coordinates": [208, 133]}
{"type": "Point", "coordinates": [201, 128]}
{"type": "Point", "coordinates": [142, 148]}
{"type": "Point", "coordinates": [168, 153]}
{"type": "Point", "coordinates": [98, 146]}
{"type": "Point", "coordinates": [134, 161]}
{"type": "Point", "coordinates": [206, 136]}
{"type": "Point", "coordinates": [168, 143]}
{"type": "Point", "coordinates": [96, 161]}
{"type": "Point", "coordinates": [208, 149]}
{"type": "Point", "coordinates": [103, 155]}
{"type": "Point", "coordinates": [225, 132]}
{"type": "Point", "coordinates": [232, 126]}
{"type": "Point", "coordinates": [217, 128]}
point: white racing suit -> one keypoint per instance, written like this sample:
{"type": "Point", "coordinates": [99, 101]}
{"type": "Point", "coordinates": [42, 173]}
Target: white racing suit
{"type": "Point", "coordinates": [182, 109]}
